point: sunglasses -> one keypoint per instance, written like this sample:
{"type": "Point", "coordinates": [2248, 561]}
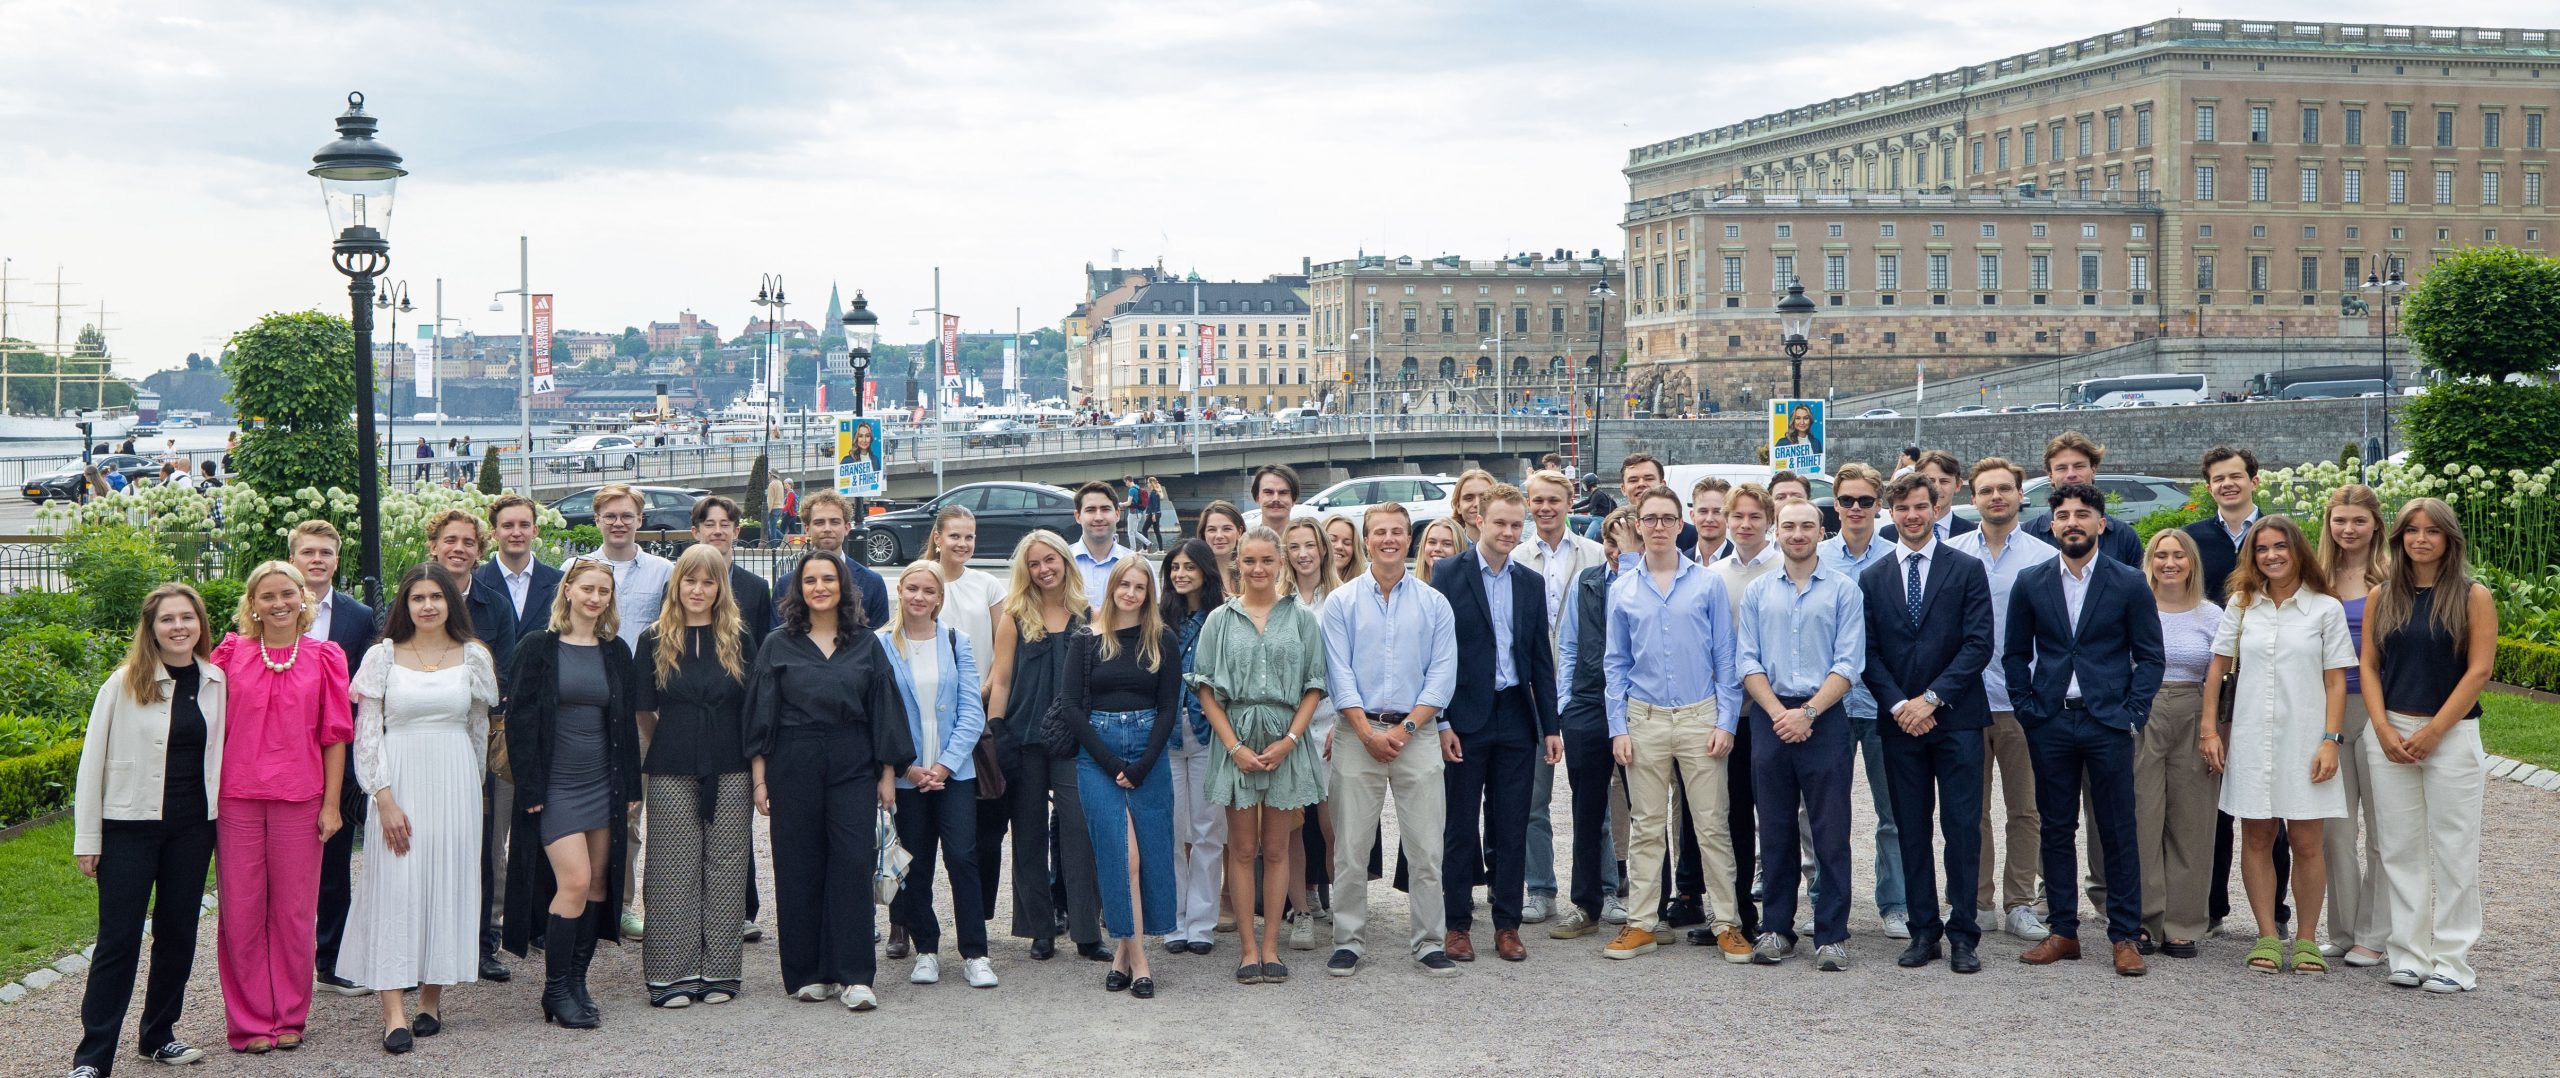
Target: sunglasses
{"type": "Point", "coordinates": [1856, 501]}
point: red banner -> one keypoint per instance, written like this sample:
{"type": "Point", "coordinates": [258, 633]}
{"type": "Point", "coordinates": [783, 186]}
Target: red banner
{"type": "Point", "coordinates": [1208, 358]}
{"type": "Point", "coordinates": [542, 382]}
{"type": "Point", "coordinates": [951, 346]}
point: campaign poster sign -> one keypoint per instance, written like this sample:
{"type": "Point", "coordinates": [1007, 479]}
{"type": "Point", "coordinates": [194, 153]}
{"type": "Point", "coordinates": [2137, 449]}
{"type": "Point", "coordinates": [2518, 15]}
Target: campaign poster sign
{"type": "Point", "coordinates": [1795, 435]}
{"type": "Point", "coordinates": [858, 452]}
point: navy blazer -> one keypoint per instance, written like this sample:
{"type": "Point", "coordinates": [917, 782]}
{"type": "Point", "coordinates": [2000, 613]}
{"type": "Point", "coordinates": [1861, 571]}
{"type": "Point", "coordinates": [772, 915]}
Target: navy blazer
{"type": "Point", "coordinates": [2115, 649]}
{"type": "Point", "coordinates": [544, 587]}
{"type": "Point", "coordinates": [755, 601]}
{"type": "Point", "coordinates": [1946, 653]}
{"type": "Point", "coordinates": [2216, 556]}
{"type": "Point", "coordinates": [493, 620]}
{"type": "Point", "coordinates": [1460, 578]}
{"type": "Point", "coordinates": [2117, 542]}
{"type": "Point", "coordinates": [350, 625]}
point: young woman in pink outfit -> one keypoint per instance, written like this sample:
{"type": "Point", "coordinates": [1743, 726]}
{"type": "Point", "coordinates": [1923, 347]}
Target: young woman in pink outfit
{"type": "Point", "coordinates": [284, 753]}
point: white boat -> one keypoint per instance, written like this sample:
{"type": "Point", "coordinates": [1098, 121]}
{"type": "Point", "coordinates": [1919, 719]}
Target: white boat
{"type": "Point", "coordinates": [107, 425]}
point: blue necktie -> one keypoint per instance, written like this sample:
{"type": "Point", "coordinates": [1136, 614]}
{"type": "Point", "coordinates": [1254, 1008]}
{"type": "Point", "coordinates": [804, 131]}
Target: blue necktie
{"type": "Point", "coordinates": [1911, 590]}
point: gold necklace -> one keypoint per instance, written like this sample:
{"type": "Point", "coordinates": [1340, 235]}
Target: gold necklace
{"type": "Point", "coordinates": [438, 664]}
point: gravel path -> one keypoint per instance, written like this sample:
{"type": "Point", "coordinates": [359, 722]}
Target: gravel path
{"type": "Point", "coordinates": [1560, 1011]}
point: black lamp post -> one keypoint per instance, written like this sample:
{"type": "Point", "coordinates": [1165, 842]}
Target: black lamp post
{"type": "Point", "coordinates": [861, 332]}
{"type": "Point", "coordinates": [1795, 324]}
{"type": "Point", "coordinates": [2387, 293]}
{"type": "Point", "coordinates": [394, 299]}
{"type": "Point", "coordinates": [357, 176]}
{"type": "Point", "coordinates": [1600, 369]}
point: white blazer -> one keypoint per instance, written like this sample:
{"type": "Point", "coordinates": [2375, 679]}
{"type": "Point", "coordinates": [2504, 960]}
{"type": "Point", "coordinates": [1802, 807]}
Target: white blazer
{"type": "Point", "coordinates": [124, 760]}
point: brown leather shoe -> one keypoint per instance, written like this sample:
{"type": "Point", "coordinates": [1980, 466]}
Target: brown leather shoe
{"type": "Point", "coordinates": [2054, 949]}
{"type": "Point", "coordinates": [1507, 946]}
{"type": "Point", "coordinates": [1458, 947]}
{"type": "Point", "coordinates": [2129, 959]}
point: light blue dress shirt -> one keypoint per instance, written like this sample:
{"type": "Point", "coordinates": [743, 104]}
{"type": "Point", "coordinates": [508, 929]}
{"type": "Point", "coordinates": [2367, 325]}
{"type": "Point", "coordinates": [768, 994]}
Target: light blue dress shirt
{"type": "Point", "coordinates": [1097, 574]}
{"type": "Point", "coordinates": [1497, 602]}
{"type": "Point", "coordinates": [2019, 552]}
{"type": "Point", "coordinates": [1835, 556]}
{"type": "Point", "coordinates": [1387, 653]}
{"type": "Point", "coordinates": [1798, 637]}
{"type": "Point", "coordinates": [1671, 649]}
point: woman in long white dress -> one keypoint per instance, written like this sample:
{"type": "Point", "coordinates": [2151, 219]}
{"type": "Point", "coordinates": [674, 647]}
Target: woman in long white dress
{"type": "Point", "coordinates": [422, 733]}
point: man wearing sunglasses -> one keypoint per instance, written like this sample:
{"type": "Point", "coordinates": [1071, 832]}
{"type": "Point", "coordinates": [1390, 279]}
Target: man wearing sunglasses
{"type": "Point", "coordinates": [1855, 491]}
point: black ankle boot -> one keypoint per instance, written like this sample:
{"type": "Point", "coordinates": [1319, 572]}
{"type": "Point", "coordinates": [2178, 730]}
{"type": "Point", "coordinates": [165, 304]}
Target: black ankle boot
{"type": "Point", "coordinates": [584, 955]}
{"type": "Point", "coordinates": [559, 1004]}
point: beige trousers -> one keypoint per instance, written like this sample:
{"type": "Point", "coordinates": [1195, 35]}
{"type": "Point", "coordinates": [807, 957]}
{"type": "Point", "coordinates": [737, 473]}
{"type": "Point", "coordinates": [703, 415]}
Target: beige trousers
{"type": "Point", "coordinates": [2173, 812]}
{"type": "Point", "coordinates": [2004, 748]}
{"type": "Point", "coordinates": [1664, 737]}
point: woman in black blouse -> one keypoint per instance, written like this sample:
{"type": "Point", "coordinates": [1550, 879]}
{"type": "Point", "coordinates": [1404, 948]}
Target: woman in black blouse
{"type": "Point", "coordinates": [1121, 698]}
{"type": "Point", "coordinates": [692, 710]}
{"type": "Point", "coordinates": [576, 758]}
{"type": "Point", "coordinates": [826, 738]}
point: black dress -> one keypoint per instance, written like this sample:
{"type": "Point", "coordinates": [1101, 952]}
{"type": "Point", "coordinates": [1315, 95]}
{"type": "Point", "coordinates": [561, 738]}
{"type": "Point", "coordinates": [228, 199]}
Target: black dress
{"type": "Point", "coordinates": [533, 707]}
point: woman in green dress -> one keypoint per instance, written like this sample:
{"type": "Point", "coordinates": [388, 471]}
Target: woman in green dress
{"type": "Point", "coordinates": [1259, 672]}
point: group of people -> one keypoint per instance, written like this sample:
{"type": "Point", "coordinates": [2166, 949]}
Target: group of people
{"type": "Point", "coordinates": [1206, 741]}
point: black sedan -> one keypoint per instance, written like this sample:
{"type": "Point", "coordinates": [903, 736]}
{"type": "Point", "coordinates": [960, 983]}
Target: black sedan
{"type": "Point", "coordinates": [64, 485]}
{"type": "Point", "coordinates": [670, 508]}
{"type": "Point", "coordinates": [1006, 512]}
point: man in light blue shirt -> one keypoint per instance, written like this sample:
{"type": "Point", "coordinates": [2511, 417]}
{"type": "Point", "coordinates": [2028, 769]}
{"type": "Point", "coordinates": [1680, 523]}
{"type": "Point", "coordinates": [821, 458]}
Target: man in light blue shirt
{"type": "Point", "coordinates": [1857, 490]}
{"type": "Point", "coordinates": [1098, 514]}
{"type": "Point", "coordinates": [1801, 645]}
{"type": "Point", "coordinates": [2006, 550]}
{"type": "Point", "coordinates": [1674, 696]}
{"type": "Point", "coordinates": [1391, 664]}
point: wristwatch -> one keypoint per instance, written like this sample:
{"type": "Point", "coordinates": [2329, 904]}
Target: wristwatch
{"type": "Point", "coordinates": [2339, 739]}
{"type": "Point", "coordinates": [1931, 698]}
{"type": "Point", "coordinates": [1410, 728]}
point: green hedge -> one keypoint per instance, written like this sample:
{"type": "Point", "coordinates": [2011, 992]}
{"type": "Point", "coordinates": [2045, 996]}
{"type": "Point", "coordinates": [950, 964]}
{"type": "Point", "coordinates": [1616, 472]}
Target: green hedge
{"type": "Point", "coordinates": [2528, 665]}
{"type": "Point", "coordinates": [33, 785]}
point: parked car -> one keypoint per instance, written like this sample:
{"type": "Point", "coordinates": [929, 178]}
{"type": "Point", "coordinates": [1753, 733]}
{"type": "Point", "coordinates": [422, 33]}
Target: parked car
{"type": "Point", "coordinates": [2129, 497]}
{"type": "Point", "coordinates": [1006, 512]}
{"type": "Point", "coordinates": [1879, 413]}
{"type": "Point", "coordinates": [1424, 497]}
{"type": "Point", "coordinates": [998, 433]}
{"type": "Point", "coordinates": [596, 453]}
{"type": "Point", "coordinates": [669, 509]}
{"type": "Point", "coordinates": [1965, 409]}
{"type": "Point", "coordinates": [1130, 425]}
{"type": "Point", "coordinates": [64, 484]}
{"type": "Point", "coordinates": [1231, 423]}
{"type": "Point", "coordinates": [1294, 420]}
{"type": "Point", "coordinates": [2045, 406]}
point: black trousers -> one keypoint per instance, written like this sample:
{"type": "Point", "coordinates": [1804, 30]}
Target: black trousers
{"type": "Point", "coordinates": [2218, 905]}
{"type": "Point", "coordinates": [1491, 783]}
{"type": "Point", "coordinates": [337, 863]}
{"type": "Point", "coordinates": [146, 869]}
{"type": "Point", "coordinates": [496, 807]}
{"type": "Point", "coordinates": [1938, 775]}
{"type": "Point", "coordinates": [1031, 779]}
{"type": "Point", "coordinates": [947, 818]}
{"type": "Point", "coordinates": [1587, 769]}
{"type": "Point", "coordinates": [1741, 802]}
{"type": "Point", "coordinates": [2063, 749]}
{"type": "Point", "coordinates": [1816, 772]}
{"type": "Point", "coordinates": [824, 788]}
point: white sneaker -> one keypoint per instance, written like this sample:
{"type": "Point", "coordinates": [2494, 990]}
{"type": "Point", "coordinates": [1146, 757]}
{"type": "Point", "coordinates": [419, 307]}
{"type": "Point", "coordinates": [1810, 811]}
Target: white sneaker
{"type": "Point", "coordinates": [1613, 911]}
{"type": "Point", "coordinates": [928, 970]}
{"type": "Point", "coordinates": [1897, 925]}
{"type": "Point", "coordinates": [858, 997]}
{"type": "Point", "coordinates": [980, 971]}
{"type": "Point", "coordinates": [1302, 931]}
{"type": "Point", "coordinates": [1535, 909]}
{"type": "Point", "coordinates": [819, 992]}
{"type": "Point", "coordinates": [2024, 924]}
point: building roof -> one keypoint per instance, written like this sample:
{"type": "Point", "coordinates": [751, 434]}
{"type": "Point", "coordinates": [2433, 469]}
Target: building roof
{"type": "Point", "coordinates": [1216, 297]}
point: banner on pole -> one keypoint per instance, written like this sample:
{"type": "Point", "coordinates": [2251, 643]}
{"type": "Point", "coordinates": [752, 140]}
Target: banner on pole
{"type": "Point", "coordinates": [427, 365]}
{"type": "Point", "coordinates": [1208, 359]}
{"type": "Point", "coordinates": [858, 472]}
{"type": "Point", "coordinates": [950, 346]}
{"type": "Point", "coordinates": [1796, 435]}
{"type": "Point", "coordinates": [1012, 367]}
{"type": "Point", "coordinates": [541, 344]}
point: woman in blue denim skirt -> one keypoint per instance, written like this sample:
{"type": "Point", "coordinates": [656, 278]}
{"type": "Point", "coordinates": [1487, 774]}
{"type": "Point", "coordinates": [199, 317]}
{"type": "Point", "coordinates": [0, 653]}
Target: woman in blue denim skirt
{"type": "Point", "coordinates": [1121, 698]}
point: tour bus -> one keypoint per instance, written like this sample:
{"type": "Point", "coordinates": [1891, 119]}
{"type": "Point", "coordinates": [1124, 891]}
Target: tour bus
{"type": "Point", "coordinates": [2130, 390]}
{"type": "Point", "coordinates": [2272, 384]}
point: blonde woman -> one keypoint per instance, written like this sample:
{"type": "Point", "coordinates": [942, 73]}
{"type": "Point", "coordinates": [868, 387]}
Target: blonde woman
{"type": "Point", "coordinates": [969, 596]}
{"type": "Point", "coordinates": [1466, 503]}
{"type": "Point", "coordinates": [937, 672]}
{"type": "Point", "coordinates": [1122, 697]}
{"type": "Point", "coordinates": [1259, 674]}
{"type": "Point", "coordinates": [691, 709]}
{"type": "Point", "coordinates": [2359, 918]}
{"type": "Point", "coordinates": [284, 756]}
{"type": "Point", "coordinates": [2430, 641]}
{"type": "Point", "coordinates": [1309, 552]}
{"type": "Point", "coordinates": [2280, 765]}
{"type": "Point", "coordinates": [2173, 793]}
{"type": "Point", "coordinates": [143, 823]}
{"type": "Point", "coordinates": [1440, 539]}
{"type": "Point", "coordinates": [1044, 605]}
{"type": "Point", "coordinates": [574, 746]}
{"type": "Point", "coordinates": [1344, 534]}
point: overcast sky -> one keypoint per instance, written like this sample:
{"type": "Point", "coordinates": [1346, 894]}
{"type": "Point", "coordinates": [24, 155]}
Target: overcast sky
{"type": "Point", "coordinates": [662, 155]}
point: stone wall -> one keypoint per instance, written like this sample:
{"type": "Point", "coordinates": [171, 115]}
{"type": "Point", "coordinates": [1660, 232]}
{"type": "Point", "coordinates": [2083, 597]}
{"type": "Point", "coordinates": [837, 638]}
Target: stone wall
{"type": "Point", "coordinates": [2150, 441]}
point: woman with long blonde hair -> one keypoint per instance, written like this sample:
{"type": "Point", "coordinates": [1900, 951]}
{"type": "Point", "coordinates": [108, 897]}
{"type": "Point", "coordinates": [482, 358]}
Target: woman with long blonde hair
{"type": "Point", "coordinates": [691, 709]}
{"type": "Point", "coordinates": [2430, 642]}
{"type": "Point", "coordinates": [284, 757]}
{"type": "Point", "coordinates": [2359, 920]}
{"type": "Point", "coordinates": [1309, 553]}
{"type": "Point", "coordinates": [143, 823]}
{"type": "Point", "coordinates": [1440, 539]}
{"type": "Point", "coordinates": [937, 671]}
{"type": "Point", "coordinates": [969, 596]}
{"type": "Point", "coordinates": [1043, 607]}
{"type": "Point", "coordinates": [1122, 697]}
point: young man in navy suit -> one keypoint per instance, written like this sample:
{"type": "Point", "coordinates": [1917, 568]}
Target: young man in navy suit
{"type": "Point", "coordinates": [340, 619]}
{"type": "Point", "coordinates": [1928, 612]}
{"type": "Point", "coordinates": [525, 587]}
{"type": "Point", "coordinates": [2083, 661]}
{"type": "Point", "coordinates": [1501, 720]}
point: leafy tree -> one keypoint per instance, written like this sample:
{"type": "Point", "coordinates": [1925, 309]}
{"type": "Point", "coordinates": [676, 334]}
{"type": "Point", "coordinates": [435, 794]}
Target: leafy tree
{"type": "Point", "coordinates": [490, 483]}
{"type": "Point", "coordinates": [632, 343]}
{"type": "Point", "coordinates": [2495, 425]}
{"type": "Point", "coordinates": [2487, 312]}
{"type": "Point", "coordinates": [293, 375]}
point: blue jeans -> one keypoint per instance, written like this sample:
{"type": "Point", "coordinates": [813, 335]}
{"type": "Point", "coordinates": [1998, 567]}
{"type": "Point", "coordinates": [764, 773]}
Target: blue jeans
{"type": "Point", "coordinates": [1110, 812]}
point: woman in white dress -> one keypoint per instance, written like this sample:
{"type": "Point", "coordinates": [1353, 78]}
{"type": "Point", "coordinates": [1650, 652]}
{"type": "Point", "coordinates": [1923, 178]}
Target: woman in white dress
{"type": "Point", "coordinates": [2279, 755]}
{"type": "Point", "coordinates": [422, 733]}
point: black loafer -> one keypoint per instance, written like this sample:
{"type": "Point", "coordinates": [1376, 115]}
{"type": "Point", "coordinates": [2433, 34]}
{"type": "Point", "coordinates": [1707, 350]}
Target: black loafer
{"type": "Point", "coordinates": [398, 1042]}
{"type": "Point", "coordinates": [1920, 953]}
{"type": "Point", "coordinates": [1094, 952]}
{"type": "Point", "coordinates": [1044, 949]}
{"type": "Point", "coordinates": [1202, 946]}
{"type": "Point", "coordinates": [1114, 981]}
{"type": "Point", "coordinates": [1960, 958]}
{"type": "Point", "coordinates": [493, 970]}
{"type": "Point", "coordinates": [1177, 947]}
{"type": "Point", "coordinates": [426, 1025]}
{"type": "Point", "coordinates": [1143, 988]}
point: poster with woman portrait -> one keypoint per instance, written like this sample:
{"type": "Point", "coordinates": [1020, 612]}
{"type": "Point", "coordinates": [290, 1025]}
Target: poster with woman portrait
{"type": "Point", "coordinates": [859, 473]}
{"type": "Point", "coordinates": [1795, 435]}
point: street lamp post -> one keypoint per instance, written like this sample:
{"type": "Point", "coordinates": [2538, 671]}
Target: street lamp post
{"type": "Point", "coordinates": [394, 299]}
{"type": "Point", "coordinates": [1795, 323]}
{"type": "Point", "coordinates": [357, 176]}
{"type": "Point", "coordinates": [1600, 374]}
{"type": "Point", "coordinates": [2387, 292]}
{"type": "Point", "coordinates": [769, 297]}
{"type": "Point", "coordinates": [861, 332]}
{"type": "Point", "coordinates": [1501, 398]}
{"type": "Point", "coordinates": [523, 292]}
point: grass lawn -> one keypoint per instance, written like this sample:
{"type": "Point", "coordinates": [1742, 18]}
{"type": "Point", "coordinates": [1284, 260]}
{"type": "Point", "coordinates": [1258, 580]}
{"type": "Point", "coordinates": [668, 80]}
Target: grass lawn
{"type": "Point", "coordinates": [52, 908]}
{"type": "Point", "coordinates": [2520, 728]}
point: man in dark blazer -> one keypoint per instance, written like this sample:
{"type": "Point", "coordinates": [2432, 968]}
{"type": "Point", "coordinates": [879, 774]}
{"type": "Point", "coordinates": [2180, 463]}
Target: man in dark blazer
{"type": "Point", "coordinates": [2072, 458]}
{"type": "Point", "coordinates": [1946, 476]}
{"type": "Point", "coordinates": [340, 619]}
{"type": "Point", "coordinates": [1502, 717]}
{"type": "Point", "coordinates": [2083, 660]}
{"type": "Point", "coordinates": [715, 524]}
{"type": "Point", "coordinates": [517, 588]}
{"type": "Point", "coordinates": [1928, 612]}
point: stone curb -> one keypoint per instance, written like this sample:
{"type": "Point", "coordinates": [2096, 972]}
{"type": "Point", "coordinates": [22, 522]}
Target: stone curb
{"type": "Point", "coordinates": [68, 965]}
{"type": "Point", "coordinates": [2518, 771]}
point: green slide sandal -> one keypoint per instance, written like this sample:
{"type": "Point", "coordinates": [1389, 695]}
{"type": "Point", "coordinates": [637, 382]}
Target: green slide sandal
{"type": "Point", "coordinates": [2268, 955]}
{"type": "Point", "coordinates": [2307, 958]}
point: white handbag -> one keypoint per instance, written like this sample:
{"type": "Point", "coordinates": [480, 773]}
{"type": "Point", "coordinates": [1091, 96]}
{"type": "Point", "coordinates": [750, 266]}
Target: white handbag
{"type": "Point", "coordinates": [890, 873]}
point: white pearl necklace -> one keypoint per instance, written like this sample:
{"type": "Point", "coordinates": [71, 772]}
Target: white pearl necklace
{"type": "Point", "coordinates": [291, 657]}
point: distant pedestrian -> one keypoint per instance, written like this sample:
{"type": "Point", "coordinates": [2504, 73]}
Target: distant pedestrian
{"type": "Point", "coordinates": [426, 453]}
{"type": "Point", "coordinates": [470, 464]}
